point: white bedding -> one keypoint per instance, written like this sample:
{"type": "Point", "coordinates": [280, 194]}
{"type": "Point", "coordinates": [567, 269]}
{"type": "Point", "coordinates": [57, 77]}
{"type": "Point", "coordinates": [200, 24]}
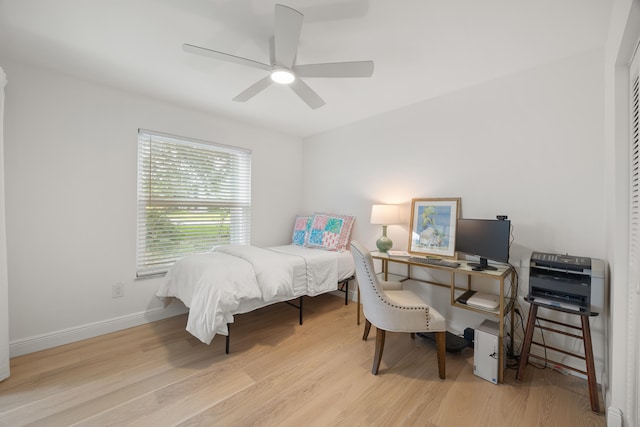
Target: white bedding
{"type": "Point", "coordinates": [236, 279]}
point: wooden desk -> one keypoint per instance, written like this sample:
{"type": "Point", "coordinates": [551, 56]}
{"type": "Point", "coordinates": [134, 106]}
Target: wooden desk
{"type": "Point", "coordinates": [503, 273]}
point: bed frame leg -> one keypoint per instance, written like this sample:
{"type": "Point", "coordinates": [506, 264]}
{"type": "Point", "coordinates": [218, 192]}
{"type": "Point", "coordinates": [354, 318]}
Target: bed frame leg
{"type": "Point", "coordinates": [300, 306]}
{"type": "Point", "coordinates": [346, 292]}
{"type": "Point", "coordinates": [343, 286]}
{"type": "Point", "coordinates": [227, 338]}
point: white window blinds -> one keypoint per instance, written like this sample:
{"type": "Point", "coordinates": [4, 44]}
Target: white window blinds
{"type": "Point", "coordinates": [192, 196]}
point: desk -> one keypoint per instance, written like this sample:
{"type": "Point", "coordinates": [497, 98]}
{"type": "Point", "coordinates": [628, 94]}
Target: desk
{"type": "Point", "coordinates": [506, 299]}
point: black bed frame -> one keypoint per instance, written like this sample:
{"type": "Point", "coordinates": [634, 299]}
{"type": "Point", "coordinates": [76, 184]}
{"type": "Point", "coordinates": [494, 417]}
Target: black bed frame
{"type": "Point", "coordinates": [343, 286]}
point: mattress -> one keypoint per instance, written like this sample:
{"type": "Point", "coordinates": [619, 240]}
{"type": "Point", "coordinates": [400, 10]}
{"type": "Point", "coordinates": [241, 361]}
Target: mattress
{"type": "Point", "coordinates": [236, 279]}
{"type": "Point", "coordinates": [344, 259]}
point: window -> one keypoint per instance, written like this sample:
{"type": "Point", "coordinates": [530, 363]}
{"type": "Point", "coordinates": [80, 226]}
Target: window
{"type": "Point", "coordinates": [192, 196]}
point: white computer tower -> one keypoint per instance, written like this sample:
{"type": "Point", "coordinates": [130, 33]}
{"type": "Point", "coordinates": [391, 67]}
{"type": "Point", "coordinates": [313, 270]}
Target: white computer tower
{"type": "Point", "coordinates": [485, 351]}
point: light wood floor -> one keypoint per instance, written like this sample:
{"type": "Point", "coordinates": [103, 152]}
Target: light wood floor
{"type": "Point", "coordinates": [278, 374]}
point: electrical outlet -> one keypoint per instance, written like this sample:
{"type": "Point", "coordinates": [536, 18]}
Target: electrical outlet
{"type": "Point", "coordinates": [117, 290]}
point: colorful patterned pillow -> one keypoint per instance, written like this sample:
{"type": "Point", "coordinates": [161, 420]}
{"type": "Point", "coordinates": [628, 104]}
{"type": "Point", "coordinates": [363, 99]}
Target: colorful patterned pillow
{"type": "Point", "coordinates": [301, 229]}
{"type": "Point", "coordinates": [330, 231]}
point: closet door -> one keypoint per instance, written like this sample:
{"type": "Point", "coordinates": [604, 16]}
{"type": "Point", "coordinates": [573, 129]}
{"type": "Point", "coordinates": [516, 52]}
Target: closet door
{"type": "Point", "coordinates": [633, 387]}
{"type": "Point", "coordinates": [4, 285]}
{"type": "Point", "coordinates": [634, 175]}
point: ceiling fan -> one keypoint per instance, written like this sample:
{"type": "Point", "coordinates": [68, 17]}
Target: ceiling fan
{"type": "Point", "coordinates": [283, 69]}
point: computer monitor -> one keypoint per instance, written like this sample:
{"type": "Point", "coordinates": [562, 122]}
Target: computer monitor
{"type": "Point", "coordinates": [484, 238]}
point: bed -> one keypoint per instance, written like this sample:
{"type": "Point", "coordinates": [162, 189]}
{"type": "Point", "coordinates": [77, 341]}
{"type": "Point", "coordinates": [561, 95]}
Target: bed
{"type": "Point", "coordinates": [236, 279]}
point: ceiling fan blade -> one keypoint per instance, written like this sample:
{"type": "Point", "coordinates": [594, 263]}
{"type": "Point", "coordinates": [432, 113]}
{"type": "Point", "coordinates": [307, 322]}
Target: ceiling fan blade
{"type": "Point", "coordinates": [288, 25]}
{"type": "Point", "coordinates": [335, 69]}
{"type": "Point", "coordinates": [307, 94]}
{"type": "Point", "coordinates": [254, 89]}
{"type": "Point", "coordinates": [272, 51]}
{"type": "Point", "coordinates": [225, 57]}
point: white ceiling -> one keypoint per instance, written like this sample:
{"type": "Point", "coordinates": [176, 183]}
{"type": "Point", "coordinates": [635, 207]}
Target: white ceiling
{"type": "Point", "coordinates": [421, 48]}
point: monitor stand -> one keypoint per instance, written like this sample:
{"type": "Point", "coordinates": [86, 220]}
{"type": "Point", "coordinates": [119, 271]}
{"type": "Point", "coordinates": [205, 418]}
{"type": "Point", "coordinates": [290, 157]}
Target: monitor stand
{"type": "Point", "coordinates": [482, 265]}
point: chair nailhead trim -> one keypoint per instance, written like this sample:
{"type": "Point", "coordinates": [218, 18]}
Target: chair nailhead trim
{"type": "Point", "coordinates": [373, 277]}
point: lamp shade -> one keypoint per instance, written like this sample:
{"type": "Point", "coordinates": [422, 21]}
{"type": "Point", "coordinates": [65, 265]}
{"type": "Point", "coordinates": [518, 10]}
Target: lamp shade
{"type": "Point", "coordinates": [385, 214]}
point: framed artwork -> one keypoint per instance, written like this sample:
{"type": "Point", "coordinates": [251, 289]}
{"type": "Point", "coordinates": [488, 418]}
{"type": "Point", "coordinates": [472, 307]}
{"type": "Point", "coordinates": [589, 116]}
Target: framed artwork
{"type": "Point", "coordinates": [433, 226]}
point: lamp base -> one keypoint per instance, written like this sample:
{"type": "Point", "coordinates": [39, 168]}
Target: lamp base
{"type": "Point", "coordinates": [384, 244]}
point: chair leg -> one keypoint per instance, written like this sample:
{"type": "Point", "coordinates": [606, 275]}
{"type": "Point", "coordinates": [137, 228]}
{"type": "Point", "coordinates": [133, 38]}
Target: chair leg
{"type": "Point", "coordinates": [441, 345]}
{"type": "Point", "coordinates": [413, 335]}
{"type": "Point", "coordinates": [367, 328]}
{"type": "Point", "coordinates": [380, 335]}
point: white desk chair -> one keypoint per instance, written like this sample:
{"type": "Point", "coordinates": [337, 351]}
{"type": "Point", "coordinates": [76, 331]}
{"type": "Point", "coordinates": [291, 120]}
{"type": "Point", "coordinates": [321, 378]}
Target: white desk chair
{"type": "Point", "coordinates": [394, 310]}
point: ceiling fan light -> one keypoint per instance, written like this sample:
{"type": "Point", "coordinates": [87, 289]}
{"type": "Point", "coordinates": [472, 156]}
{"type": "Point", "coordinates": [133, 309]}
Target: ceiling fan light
{"type": "Point", "coordinates": [282, 76]}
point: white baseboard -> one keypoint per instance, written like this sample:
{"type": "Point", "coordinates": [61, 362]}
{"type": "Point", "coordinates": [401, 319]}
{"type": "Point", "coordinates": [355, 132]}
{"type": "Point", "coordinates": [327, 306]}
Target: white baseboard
{"type": "Point", "coordinates": [66, 336]}
{"type": "Point", "coordinates": [614, 417]}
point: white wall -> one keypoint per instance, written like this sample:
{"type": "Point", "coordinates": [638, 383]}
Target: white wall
{"type": "Point", "coordinates": [529, 146]}
{"type": "Point", "coordinates": [70, 158]}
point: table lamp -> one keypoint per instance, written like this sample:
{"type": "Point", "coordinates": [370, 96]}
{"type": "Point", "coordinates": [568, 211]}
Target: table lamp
{"type": "Point", "coordinates": [385, 215]}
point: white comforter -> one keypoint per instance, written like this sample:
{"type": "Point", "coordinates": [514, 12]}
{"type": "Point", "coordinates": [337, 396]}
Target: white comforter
{"type": "Point", "coordinates": [237, 278]}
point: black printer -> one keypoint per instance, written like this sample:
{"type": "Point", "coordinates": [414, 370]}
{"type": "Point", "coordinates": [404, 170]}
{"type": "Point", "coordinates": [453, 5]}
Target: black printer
{"type": "Point", "coordinates": [564, 281]}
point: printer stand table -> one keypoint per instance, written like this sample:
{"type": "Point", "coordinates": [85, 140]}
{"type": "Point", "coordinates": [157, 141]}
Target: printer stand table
{"type": "Point", "coordinates": [563, 283]}
{"type": "Point", "coordinates": [586, 339]}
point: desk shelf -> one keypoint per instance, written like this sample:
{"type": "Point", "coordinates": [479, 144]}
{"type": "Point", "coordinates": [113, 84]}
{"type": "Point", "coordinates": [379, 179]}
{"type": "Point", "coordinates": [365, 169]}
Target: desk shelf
{"type": "Point", "coordinates": [502, 274]}
{"type": "Point", "coordinates": [392, 277]}
{"type": "Point", "coordinates": [508, 307]}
